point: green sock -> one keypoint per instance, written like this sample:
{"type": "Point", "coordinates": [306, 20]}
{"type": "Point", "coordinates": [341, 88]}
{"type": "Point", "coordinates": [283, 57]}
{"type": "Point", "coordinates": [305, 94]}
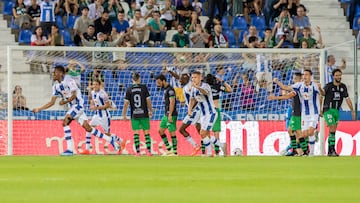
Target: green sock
{"type": "Point", "coordinates": [202, 147]}
{"type": "Point", "coordinates": [166, 142]}
{"type": "Point", "coordinates": [217, 149]}
{"type": "Point", "coordinates": [303, 144]}
{"type": "Point", "coordinates": [137, 142]}
{"type": "Point", "coordinates": [148, 142]}
{"type": "Point", "coordinates": [293, 142]}
{"type": "Point", "coordinates": [331, 140]}
{"type": "Point", "coordinates": [174, 144]}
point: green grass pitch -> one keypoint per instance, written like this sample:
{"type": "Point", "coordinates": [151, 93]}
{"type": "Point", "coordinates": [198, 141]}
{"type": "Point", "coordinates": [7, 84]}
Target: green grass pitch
{"type": "Point", "coordinates": [179, 179]}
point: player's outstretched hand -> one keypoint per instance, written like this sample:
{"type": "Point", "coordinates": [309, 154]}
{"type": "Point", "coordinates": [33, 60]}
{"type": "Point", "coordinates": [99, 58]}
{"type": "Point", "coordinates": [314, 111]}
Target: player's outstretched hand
{"type": "Point", "coordinates": [276, 80]}
{"type": "Point", "coordinates": [62, 102]}
{"type": "Point", "coordinates": [271, 97]}
{"type": "Point", "coordinates": [35, 110]}
{"type": "Point", "coordinates": [150, 114]}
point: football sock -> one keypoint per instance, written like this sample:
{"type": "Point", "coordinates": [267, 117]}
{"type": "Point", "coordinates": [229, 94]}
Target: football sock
{"type": "Point", "coordinates": [202, 147]}
{"type": "Point", "coordinates": [88, 141]}
{"type": "Point", "coordinates": [174, 144]}
{"type": "Point", "coordinates": [117, 138]}
{"type": "Point", "coordinates": [148, 142]}
{"type": "Point", "coordinates": [216, 144]}
{"type": "Point", "coordinates": [207, 145]}
{"type": "Point", "coordinates": [137, 143]}
{"type": "Point", "coordinates": [69, 141]}
{"type": "Point", "coordinates": [166, 142]}
{"type": "Point", "coordinates": [312, 144]}
{"type": "Point", "coordinates": [331, 140]}
{"type": "Point", "coordinates": [99, 134]}
{"type": "Point", "coordinates": [303, 145]}
{"type": "Point", "coordinates": [191, 141]}
{"type": "Point", "coordinates": [293, 144]}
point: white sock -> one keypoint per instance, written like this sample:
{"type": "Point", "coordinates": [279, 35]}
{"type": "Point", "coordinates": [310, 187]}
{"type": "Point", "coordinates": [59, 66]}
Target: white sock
{"type": "Point", "coordinates": [117, 138]}
{"type": "Point", "coordinates": [88, 141]}
{"type": "Point", "coordinates": [191, 141]}
{"type": "Point", "coordinates": [214, 141]}
{"type": "Point", "coordinates": [98, 134]}
{"type": "Point", "coordinates": [312, 144]}
{"type": "Point", "coordinates": [69, 141]}
{"type": "Point", "coordinates": [207, 145]}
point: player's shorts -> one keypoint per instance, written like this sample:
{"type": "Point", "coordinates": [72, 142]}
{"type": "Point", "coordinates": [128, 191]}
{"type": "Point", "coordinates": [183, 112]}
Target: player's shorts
{"type": "Point", "coordinates": [194, 118]}
{"type": "Point", "coordinates": [207, 121]}
{"type": "Point", "coordinates": [78, 114]}
{"type": "Point", "coordinates": [295, 123]}
{"type": "Point", "coordinates": [166, 125]}
{"type": "Point", "coordinates": [309, 121]}
{"type": "Point", "coordinates": [104, 122]}
{"type": "Point", "coordinates": [179, 94]}
{"type": "Point", "coordinates": [140, 123]}
{"type": "Point", "coordinates": [331, 117]}
{"type": "Point", "coordinates": [217, 125]}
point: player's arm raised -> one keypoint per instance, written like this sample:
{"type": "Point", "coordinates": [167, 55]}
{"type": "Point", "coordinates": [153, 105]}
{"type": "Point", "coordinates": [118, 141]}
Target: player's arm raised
{"type": "Point", "coordinates": [46, 106]}
{"type": "Point", "coordinates": [282, 97]}
{"type": "Point", "coordinates": [282, 86]}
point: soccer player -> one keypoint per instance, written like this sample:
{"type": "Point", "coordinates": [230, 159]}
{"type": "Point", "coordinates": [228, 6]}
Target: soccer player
{"type": "Point", "coordinates": [71, 95]}
{"type": "Point", "coordinates": [138, 97]}
{"type": "Point", "coordinates": [168, 121]}
{"type": "Point", "coordinates": [100, 103]}
{"type": "Point", "coordinates": [330, 67]}
{"type": "Point", "coordinates": [294, 124]}
{"type": "Point", "coordinates": [217, 85]}
{"type": "Point", "coordinates": [188, 120]}
{"type": "Point", "coordinates": [334, 93]}
{"type": "Point", "coordinates": [201, 93]}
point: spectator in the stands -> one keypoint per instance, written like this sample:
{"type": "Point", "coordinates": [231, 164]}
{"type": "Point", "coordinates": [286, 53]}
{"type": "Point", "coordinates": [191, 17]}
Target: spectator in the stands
{"type": "Point", "coordinates": [89, 35]}
{"type": "Point", "coordinates": [252, 32]}
{"type": "Point", "coordinates": [19, 100]}
{"type": "Point", "coordinates": [81, 25]}
{"type": "Point", "coordinates": [180, 39]}
{"type": "Point", "coordinates": [313, 43]}
{"type": "Point", "coordinates": [331, 65]}
{"type": "Point", "coordinates": [47, 17]}
{"type": "Point", "coordinates": [157, 28]}
{"type": "Point", "coordinates": [295, 5]}
{"type": "Point", "coordinates": [199, 38]}
{"type": "Point", "coordinates": [301, 20]}
{"type": "Point", "coordinates": [103, 25]}
{"type": "Point", "coordinates": [139, 28]}
{"type": "Point", "coordinates": [148, 9]}
{"type": "Point", "coordinates": [191, 26]}
{"type": "Point", "coordinates": [220, 4]}
{"type": "Point", "coordinates": [269, 40]}
{"type": "Point", "coordinates": [95, 10]}
{"type": "Point", "coordinates": [210, 24]}
{"type": "Point", "coordinates": [121, 24]}
{"type": "Point", "coordinates": [84, 3]}
{"type": "Point", "coordinates": [127, 40]}
{"type": "Point", "coordinates": [168, 14]}
{"type": "Point", "coordinates": [277, 6]}
{"type": "Point", "coordinates": [60, 8]}
{"type": "Point", "coordinates": [218, 40]}
{"type": "Point", "coordinates": [252, 7]}
{"type": "Point", "coordinates": [184, 12]}
{"type": "Point", "coordinates": [283, 26]}
{"type": "Point", "coordinates": [245, 92]}
{"type": "Point", "coordinates": [38, 38]}
{"type": "Point", "coordinates": [197, 7]}
{"type": "Point", "coordinates": [74, 70]}
{"type": "Point", "coordinates": [20, 15]}
{"type": "Point", "coordinates": [114, 7]}
{"type": "Point", "coordinates": [34, 11]}
{"type": "Point", "coordinates": [56, 39]}
{"type": "Point", "coordinates": [72, 7]}
{"type": "Point", "coordinates": [132, 9]}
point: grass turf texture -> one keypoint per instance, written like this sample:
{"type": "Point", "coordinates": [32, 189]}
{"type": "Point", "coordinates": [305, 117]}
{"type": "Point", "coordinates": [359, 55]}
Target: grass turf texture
{"type": "Point", "coordinates": [179, 179]}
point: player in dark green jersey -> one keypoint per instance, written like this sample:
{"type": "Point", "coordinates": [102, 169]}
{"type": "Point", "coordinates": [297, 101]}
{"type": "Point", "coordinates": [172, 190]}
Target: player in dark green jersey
{"type": "Point", "coordinates": [335, 93]}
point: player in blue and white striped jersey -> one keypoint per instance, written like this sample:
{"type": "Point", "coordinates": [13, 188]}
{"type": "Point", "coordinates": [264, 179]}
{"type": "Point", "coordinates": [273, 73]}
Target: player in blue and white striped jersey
{"type": "Point", "coordinates": [309, 95]}
{"type": "Point", "coordinates": [66, 88]}
{"type": "Point", "coordinates": [330, 66]}
{"type": "Point", "coordinates": [100, 103]}
{"type": "Point", "coordinates": [194, 118]}
{"type": "Point", "coordinates": [201, 93]}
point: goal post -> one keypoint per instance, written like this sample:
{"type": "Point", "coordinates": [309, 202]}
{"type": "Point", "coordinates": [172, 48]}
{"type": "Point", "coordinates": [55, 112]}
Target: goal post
{"type": "Point", "coordinates": [250, 122]}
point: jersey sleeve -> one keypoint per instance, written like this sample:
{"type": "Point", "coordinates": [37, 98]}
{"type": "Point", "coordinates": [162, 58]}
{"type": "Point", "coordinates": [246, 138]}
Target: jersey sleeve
{"type": "Point", "coordinates": [127, 94]}
{"type": "Point", "coordinates": [171, 93]}
{"type": "Point", "coordinates": [55, 92]}
{"type": "Point", "coordinates": [104, 96]}
{"type": "Point", "coordinates": [206, 87]}
{"type": "Point", "coordinates": [72, 85]}
{"type": "Point", "coordinates": [346, 94]}
{"type": "Point", "coordinates": [146, 92]}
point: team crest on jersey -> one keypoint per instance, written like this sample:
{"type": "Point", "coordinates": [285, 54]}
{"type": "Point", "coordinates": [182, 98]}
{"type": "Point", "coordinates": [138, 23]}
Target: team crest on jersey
{"type": "Point", "coordinates": [341, 89]}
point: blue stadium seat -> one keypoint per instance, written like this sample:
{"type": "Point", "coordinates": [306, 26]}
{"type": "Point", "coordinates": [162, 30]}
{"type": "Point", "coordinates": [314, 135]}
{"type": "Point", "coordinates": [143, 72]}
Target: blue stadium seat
{"type": "Point", "coordinates": [8, 6]}
{"type": "Point", "coordinates": [12, 24]}
{"type": "Point", "coordinates": [70, 21]}
{"type": "Point", "coordinates": [25, 37]}
{"type": "Point", "coordinates": [241, 36]}
{"type": "Point", "coordinates": [231, 38]}
{"type": "Point", "coordinates": [355, 23]}
{"type": "Point", "coordinates": [258, 22]}
{"type": "Point", "coordinates": [225, 23]}
{"type": "Point", "coordinates": [59, 22]}
{"type": "Point", "coordinates": [67, 37]}
{"type": "Point", "coordinates": [357, 10]}
{"type": "Point", "coordinates": [239, 23]}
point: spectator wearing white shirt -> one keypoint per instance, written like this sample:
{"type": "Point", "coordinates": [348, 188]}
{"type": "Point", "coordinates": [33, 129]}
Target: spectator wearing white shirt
{"type": "Point", "coordinates": [139, 27]}
{"type": "Point", "coordinates": [147, 9]}
{"type": "Point", "coordinates": [95, 10]}
{"type": "Point", "coordinates": [168, 14]}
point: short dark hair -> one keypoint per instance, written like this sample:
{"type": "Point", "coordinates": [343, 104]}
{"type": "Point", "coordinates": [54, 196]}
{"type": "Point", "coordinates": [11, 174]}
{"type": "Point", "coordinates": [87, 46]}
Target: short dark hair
{"type": "Point", "coordinates": [135, 76]}
{"type": "Point", "coordinates": [196, 72]}
{"type": "Point", "coordinates": [137, 10]}
{"type": "Point", "coordinates": [60, 68]}
{"type": "Point", "coordinates": [336, 70]}
{"type": "Point", "coordinates": [298, 74]}
{"type": "Point", "coordinates": [160, 77]}
{"type": "Point", "coordinates": [308, 70]}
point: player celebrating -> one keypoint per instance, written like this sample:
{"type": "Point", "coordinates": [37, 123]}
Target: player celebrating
{"type": "Point", "coordinates": [100, 102]}
{"type": "Point", "coordinates": [217, 85]}
{"type": "Point", "coordinates": [138, 97]}
{"type": "Point", "coordinates": [168, 121]}
{"type": "Point", "coordinates": [188, 120]}
{"type": "Point", "coordinates": [70, 93]}
{"type": "Point", "coordinates": [201, 93]}
{"type": "Point", "coordinates": [335, 92]}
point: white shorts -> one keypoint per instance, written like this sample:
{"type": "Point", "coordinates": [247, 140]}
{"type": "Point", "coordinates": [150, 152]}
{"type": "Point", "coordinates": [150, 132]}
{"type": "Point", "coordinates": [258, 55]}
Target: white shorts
{"type": "Point", "coordinates": [207, 121]}
{"type": "Point", "coordinates": [78, 114]}
{"type": "Point", "coordinates": [193, 119]}
{"type": "Point", "coordinates": [104, 122]}
{"type": "Point", "coordinates": [309, 121]}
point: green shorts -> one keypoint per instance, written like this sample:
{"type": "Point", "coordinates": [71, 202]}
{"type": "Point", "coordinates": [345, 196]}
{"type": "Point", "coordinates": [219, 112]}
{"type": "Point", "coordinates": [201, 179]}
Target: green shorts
{"type": "Point", "coordinates": [217, 125]}
{"type": "Point", "coordinates": [295, 123]}
{"type": "Point", "coordinates": [166, 125]}
{"type": "Point", "coordinates": [331, 117]}
{"type": "Point", "coordinates": [140, 123]}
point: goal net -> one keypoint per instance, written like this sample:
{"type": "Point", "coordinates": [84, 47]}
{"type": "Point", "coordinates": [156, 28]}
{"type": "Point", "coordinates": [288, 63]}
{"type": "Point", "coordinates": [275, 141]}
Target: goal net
{"type": "Point", "coordinates": [251, 124]}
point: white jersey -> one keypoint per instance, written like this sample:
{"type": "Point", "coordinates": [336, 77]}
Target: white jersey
{"type": "Point", "coordinates": [328, 73]}
{"type": "Point", "coordinates": [309, 98]}
{"type": "Point", "coordinates": [263, 63]}
{"type": "Point", "coordinates": [99, 99]}
{"type": "Point", "coordinates": [65, 88]}
{"type": "Point", "coordinates": [205, 102]}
